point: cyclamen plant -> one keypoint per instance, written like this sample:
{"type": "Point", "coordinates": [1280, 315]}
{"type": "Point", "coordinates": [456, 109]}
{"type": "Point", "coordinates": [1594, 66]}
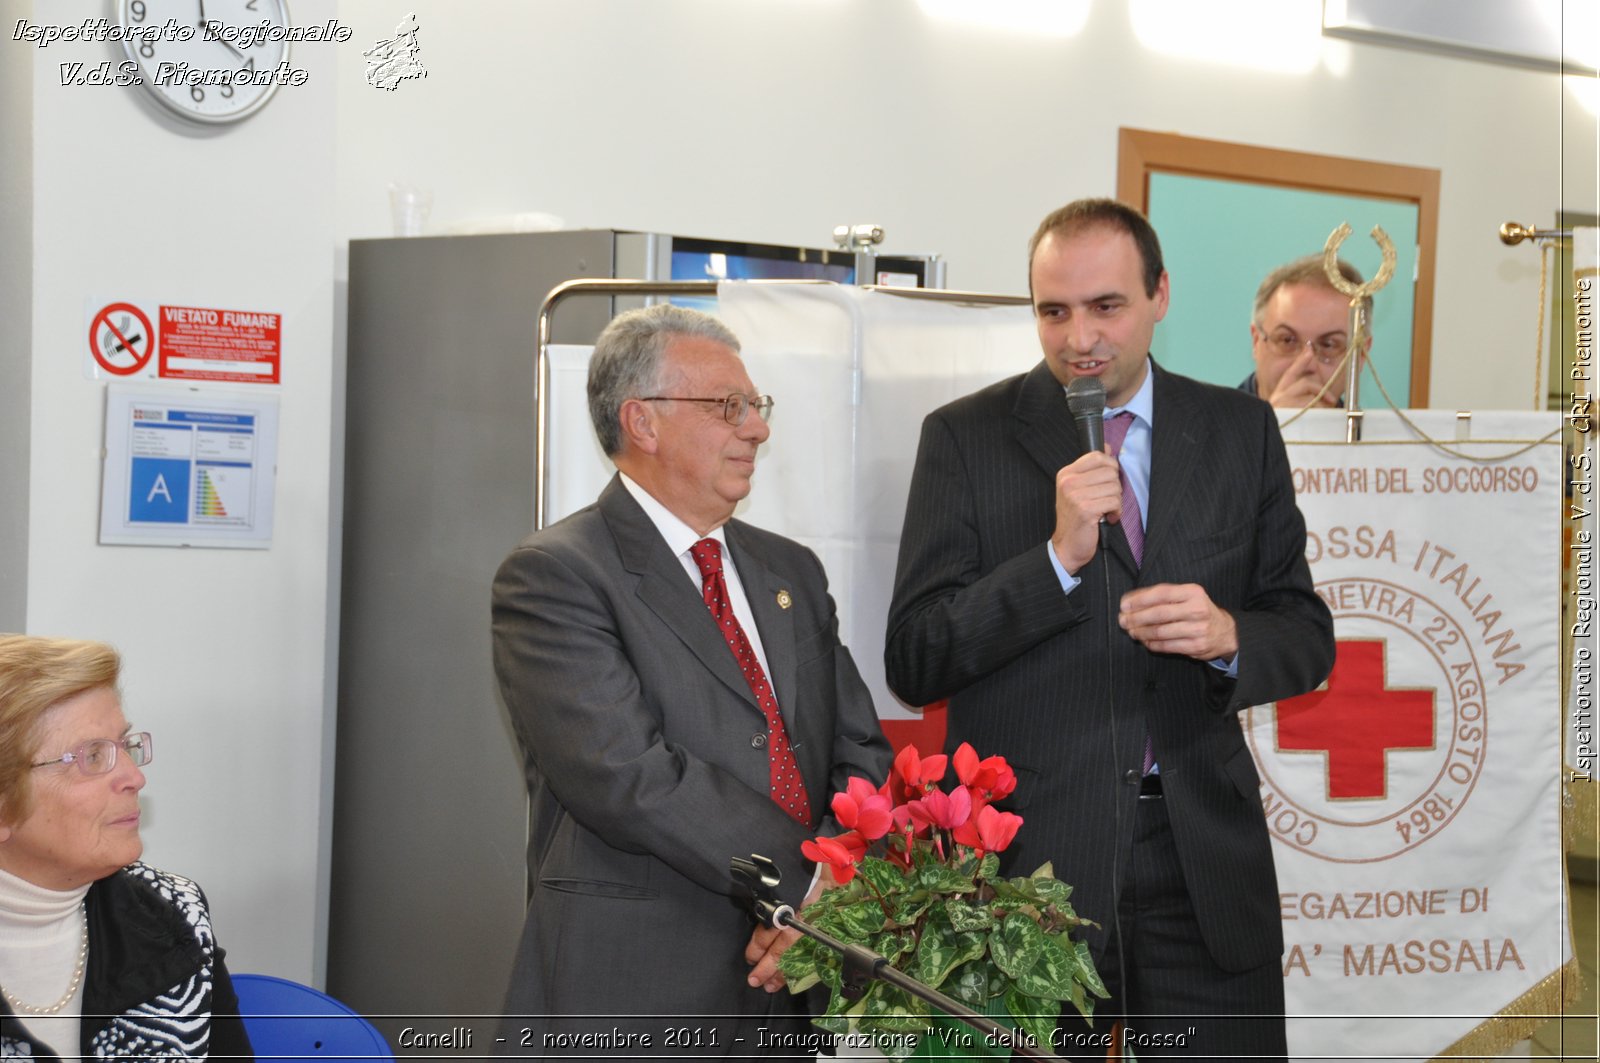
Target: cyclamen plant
{"type": "Point", "coordinates": [935, 906]}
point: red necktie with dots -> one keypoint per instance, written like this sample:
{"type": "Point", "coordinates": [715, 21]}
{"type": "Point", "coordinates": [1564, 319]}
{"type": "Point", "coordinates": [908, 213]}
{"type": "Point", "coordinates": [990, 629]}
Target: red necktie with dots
{"type": "Point", "coordinates": [788, 789]}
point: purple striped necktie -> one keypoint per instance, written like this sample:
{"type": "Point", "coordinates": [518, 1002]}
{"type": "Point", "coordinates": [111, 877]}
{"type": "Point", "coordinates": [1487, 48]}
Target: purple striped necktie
{"type": "Point", "coordinates": [1132, 528]}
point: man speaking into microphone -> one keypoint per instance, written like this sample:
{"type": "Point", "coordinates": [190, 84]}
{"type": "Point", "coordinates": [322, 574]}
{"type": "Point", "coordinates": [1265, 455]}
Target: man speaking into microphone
{"type": "Point", "coordinates": [1100, 616]}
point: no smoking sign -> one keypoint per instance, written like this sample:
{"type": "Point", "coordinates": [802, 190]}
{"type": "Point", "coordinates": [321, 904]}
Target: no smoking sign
{"type": "Point", "coordinates": [151, 339]}
{"type": "Point", "coordinates": [121, 340]}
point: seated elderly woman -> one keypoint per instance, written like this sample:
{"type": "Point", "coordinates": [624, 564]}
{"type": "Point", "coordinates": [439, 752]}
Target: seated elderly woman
{"type": "Point", "coordinates": [100, 956]}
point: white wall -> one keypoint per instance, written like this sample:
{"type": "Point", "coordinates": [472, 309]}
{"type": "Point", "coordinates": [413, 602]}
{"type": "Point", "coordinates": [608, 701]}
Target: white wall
{"type": "Point", "coordinates": [769, 120]}
{"type": "Point", "coordinates": [224, 649]}
{"type": "Point", "coordinates": [775, 120]}
{"type": "Point", "coordinates": [16, 359]}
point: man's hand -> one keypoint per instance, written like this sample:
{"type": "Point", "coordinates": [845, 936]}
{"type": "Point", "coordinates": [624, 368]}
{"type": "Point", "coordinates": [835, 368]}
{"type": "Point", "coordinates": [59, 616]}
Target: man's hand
{"type": "Point", "coordinates": [1086, 490]}
{"type": "Point", "coordinates": [768, 944]}
{"type": "Point", "coordinates": [1179, 618]}
{"type": "Point", "coordinates": [1300, 383]}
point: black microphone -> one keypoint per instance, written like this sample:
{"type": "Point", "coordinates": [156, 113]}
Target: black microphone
{"type": "Point", "coordinates": [1086, 398]}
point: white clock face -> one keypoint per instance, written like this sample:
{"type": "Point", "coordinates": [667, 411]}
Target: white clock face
{"type": "Point", "coordinates": [224, 70]}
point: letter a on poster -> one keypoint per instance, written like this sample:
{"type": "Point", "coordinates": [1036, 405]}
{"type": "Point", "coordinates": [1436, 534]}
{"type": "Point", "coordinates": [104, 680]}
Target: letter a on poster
{"type": "Point", "coordinates": [188, 468]}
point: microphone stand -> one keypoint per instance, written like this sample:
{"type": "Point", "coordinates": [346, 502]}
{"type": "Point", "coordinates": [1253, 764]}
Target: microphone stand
{"type": "Point", "coordinates": [757, 877]}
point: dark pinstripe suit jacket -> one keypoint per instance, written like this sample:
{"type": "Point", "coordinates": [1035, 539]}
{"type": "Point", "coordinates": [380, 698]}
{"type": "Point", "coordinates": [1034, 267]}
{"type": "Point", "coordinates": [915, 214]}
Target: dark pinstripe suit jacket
{"type": "Point", "coordinates": [978, 617]}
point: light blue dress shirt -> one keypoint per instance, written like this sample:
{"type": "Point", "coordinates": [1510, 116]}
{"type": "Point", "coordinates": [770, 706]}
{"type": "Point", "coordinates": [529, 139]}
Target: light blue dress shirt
{"type": "Point", "coordinates": [1135, 461]}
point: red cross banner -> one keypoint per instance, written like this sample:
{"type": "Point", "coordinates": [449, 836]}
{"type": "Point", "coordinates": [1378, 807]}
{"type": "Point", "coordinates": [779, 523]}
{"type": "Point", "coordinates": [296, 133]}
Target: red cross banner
{"type": "Point", "coordinates": [1415, 798]}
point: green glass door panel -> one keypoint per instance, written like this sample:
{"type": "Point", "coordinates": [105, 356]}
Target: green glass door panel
{"type": "Point", "coordinates": [1220, 237]}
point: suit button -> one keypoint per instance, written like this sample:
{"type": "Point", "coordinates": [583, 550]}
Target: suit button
{"type": "Point", "coordinates": [1131, 777]}
{"type": "Point", "coordinates": [757, 741]}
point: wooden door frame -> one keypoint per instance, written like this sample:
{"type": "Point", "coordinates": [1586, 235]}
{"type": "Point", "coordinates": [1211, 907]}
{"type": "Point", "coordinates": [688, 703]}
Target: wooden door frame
{"type": "Point", "coordinates": [1142, 152]}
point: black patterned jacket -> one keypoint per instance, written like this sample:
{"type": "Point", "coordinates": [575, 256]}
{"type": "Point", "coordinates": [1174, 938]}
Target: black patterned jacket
{"type": "Point", "coordinates": [156, 986]}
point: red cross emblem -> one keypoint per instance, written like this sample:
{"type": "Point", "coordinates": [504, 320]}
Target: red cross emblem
{"type": "Point", "coordinates": [1355, 719]}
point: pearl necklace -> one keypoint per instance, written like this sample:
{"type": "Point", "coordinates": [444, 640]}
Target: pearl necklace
{"type": "Point", "coordinates": [77, 976]}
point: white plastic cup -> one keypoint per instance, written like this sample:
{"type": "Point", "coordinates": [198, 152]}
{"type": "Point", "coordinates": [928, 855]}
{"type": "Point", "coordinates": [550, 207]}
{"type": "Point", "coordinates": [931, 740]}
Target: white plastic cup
{"type": "Point", "coordinates": [409, 207]}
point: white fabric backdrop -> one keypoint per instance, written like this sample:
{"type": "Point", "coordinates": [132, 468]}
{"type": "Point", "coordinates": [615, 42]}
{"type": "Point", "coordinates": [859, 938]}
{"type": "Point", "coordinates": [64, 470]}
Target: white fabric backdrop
{"type": "Point", "coordinates": [853, 373]}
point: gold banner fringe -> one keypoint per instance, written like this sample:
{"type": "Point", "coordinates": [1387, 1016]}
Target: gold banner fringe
{"type": "Point", "coordinates": [1518, 1020]}
{"type": "Point", "coordinates": [1553, 994]}
{"type": "Point", "coordinates": [1582, 819]}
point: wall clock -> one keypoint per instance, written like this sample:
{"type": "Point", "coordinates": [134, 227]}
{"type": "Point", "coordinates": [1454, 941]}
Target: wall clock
{"type": "Point", "coordinates": [221, 72]}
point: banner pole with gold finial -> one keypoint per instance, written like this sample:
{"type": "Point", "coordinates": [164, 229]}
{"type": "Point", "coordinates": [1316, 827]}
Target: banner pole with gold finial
{"type": "Point", "coordinates": [1360, 315]}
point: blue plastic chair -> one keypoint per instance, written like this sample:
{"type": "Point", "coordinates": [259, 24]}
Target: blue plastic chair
{"type": "Point", "coordinates": [291, 1022]}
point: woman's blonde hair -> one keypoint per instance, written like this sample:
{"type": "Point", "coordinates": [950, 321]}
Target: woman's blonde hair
{"type": "Point", "coordinates": [36, 674]}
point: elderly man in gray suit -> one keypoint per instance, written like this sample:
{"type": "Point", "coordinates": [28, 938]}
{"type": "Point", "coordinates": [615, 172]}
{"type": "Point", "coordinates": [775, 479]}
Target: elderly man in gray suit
{"type": "Point", "coordinates": [681, 697]}
{"type": "Point", "coordinates": [1100, 620]}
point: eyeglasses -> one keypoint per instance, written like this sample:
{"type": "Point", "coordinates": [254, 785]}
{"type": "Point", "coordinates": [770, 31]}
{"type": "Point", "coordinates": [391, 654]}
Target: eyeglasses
{"type": "Point", "coordinates": [734, 408]}
{"type": "Point", "coordinates": [99, 755]}
{"type": "Point", "coordinates": [1329, 348]}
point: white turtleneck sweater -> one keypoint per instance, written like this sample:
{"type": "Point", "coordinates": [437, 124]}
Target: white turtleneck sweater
{"type": "Point", "coordinates": [41, 931]}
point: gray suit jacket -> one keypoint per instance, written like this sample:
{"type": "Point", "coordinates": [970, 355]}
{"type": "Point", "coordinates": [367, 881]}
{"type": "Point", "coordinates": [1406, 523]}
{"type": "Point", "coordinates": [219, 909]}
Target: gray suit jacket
{"type": "Point", "coordinates": [978, 617]}
{"type": "Point", "coordinates": [647, 769]}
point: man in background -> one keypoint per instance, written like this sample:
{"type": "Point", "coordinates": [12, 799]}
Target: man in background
{"type": "Point", "coordinates": [1299, 331]}
{"type": "Point", "coordinates": [1100, 619]}
{"type": "Point", "coordinates": [682, 698]}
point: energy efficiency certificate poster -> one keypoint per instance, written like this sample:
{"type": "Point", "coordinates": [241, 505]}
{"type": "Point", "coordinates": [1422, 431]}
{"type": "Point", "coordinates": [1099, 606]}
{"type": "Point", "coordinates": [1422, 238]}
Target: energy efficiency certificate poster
{"type": "Point", "coordinates": [188, 468]}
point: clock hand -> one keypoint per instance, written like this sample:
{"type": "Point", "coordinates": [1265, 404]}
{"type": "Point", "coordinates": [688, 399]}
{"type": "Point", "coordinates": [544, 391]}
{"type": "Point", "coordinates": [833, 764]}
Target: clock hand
{"type": "Point", "coordinates": [231, 48]}
{"type": "Point", "coordinates": [219, 40]}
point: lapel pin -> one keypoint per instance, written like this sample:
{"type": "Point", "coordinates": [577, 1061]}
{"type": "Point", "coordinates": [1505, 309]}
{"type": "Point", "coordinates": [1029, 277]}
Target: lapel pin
{"type": "Point", "coordinates": [784, 601]}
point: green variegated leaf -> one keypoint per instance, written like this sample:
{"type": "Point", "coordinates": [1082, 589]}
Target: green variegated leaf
{"type": "Point", "coordinates": [998, 982]}
{"type": "Point", "coordinates": [1037, 1018]}
{"type": "Point", "coordinates": [941, 879]}
{"type": "Point", "coordinates": [941, 950]}
{"type": "Point", "coordinates": [803, 982]}
{"type": "Point", "coordinates": [891, 1010]}
{"type": "Point", "coordinates": [1051, 978]}
{"type": "Point", "coordinates": [885, 876]}
{"type": "Point", "coordinates": [1050, 891]}
{"type": "Point", "coordinates": [859, 921]}
{"type": "Point", "coordinates": [1086, 972]}
{"type": "Point", "coordinates": [827, 920]}
{"type": "Point", "coordinates": [911, 905]}
{"type": "Point", "coordinates": [832, 1023]}
{"type": "Point", "coordinates": [936, 953]}
{"type": "Point", "coordinates": [1046, 870]}
{"type": "Point", "coordinates": [898, 1048]}
{"type": "Point", "coordinates": [1004, 895]}
{"type": "Point", "coordinates": [969, 984]}
{"type": "Point", "coordinates": [964, 916]}
{"type": "Point", "coordinates": [892, 943]}
{"type": "Point", "coordinates": [1084, 1005]}
{"type": "Point", "coordinates": [799, 960]}
{"type": "Point", "coordinates": [1010, 890]}
{"type": "Point", "coordinates": [989, 867]}
{"type": "Point", "coordinates": [1017, 945]}
{"type": "Point", "coordinates": [833, 1019]}
{"type": "Point", "coordinates": [1067, 918]}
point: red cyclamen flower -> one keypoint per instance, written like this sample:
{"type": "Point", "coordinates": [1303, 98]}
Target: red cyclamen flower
{"type": "Point", "coordinates": [864, 808]}
{"type": "Point", "coordinates": [989, 779]}
{"type": "Point", "coordinates": [841, 854]}
{"type": "Point", "coordinates": [990, 830]}
{"type": "Point", "coordinates": [942, 810]}
{"type": "Point", "coordinates": [918, 774]}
